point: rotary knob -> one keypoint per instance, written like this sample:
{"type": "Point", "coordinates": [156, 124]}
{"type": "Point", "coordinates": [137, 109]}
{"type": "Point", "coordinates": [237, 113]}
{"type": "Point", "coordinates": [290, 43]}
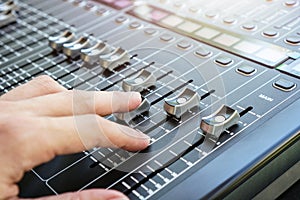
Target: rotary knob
{"type": "Point", "coordinates": [181, 103]}
{"type": "Point", "coordinates": [139, 82]}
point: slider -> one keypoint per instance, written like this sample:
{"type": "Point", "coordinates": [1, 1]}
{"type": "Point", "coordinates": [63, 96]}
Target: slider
{"type": "Point", "coordinates": [73, 49]}
{"type": "Point", "coordinates": [92, 55]}
{"type": "Point", "coordinates": [7, 17]}
{"type": "Point", "coordinates": [56, 42]}
{"type": "Point", "coordinates": [139, 82]}
{"type": "Point", "coordinates": [181, 103]}
{"type": "Point", "coordinates": [216, 123]}
{"type": "Point", "coordinates": [8, 5]}
{"type": "Point", "coordinates": [127, 117]}
{"type": "Point", "coordinates": [114, 59]}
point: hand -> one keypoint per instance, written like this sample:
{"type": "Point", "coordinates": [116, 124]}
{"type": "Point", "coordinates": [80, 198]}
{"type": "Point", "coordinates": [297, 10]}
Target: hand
{"type": "Point", "coordinates": [41, 119]}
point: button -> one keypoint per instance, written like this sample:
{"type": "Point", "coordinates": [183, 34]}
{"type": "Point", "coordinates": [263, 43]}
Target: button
{"type": "Point", "coordinates": [203, 53]}
{"type": "Point", "coordinates": [77, 2]}
{"type": "Point", "coordinates": [229, 20]}
{"type": "Point", "coordinates": [89, 5]}
{"type": "Point", "coordinates": [285, 85]}
{"type": "Point", "coordinates": [270, 33]}
{"type": "Point", "coordinates": [184, 44]}
{"type": "Point", "coordinates": [127, 117]}
{"type": "Point", "coordinates": [181, 103]}
{"type": "Point", "coordinates": [246, 70]}
{"type": "Point", "coordinates": [135, 25]}
{"type": "Point", "coordinates": [91, 55]}
{"type": "Point", "coordinates": [114, 59]}
{"type": "Point", "coordinates": [121, 19]}
{"type": "Point", "coordinates": [102, 11]}
{"type": "Point", "coordinates": [291, 3]}
{"type": "Point", "coordinates": [56, 42]}
{"type": "Point", "coordinates": [224, 61]}
{"type": "Point", "coordinates": [293, 40]}
{"type": "Point", "coordinates": [249, 27]}
{"type": "Point", "coordinates": [150, 31]}
{"type": "Point", "coordinates": [194, 9]}
{"type": "Point", "coordinates": [7, 17]}
{"type": "Point", "coordinates": [73, 49]}
{"type": "Point", "coordinates": [166, 37]}
{"type": "Point", "coordinates": [211, 14]}
{"type": "Point", "coordinates": [139, 82]}
{"type": "Point", "coordinates": [216, 123]}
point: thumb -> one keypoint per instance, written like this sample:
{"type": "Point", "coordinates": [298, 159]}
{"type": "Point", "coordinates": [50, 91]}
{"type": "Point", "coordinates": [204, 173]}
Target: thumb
{"type": "Point", "coordinates": [94, 194]}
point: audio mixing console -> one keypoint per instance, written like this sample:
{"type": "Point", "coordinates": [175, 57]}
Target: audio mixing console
{"type": "Point", "coordinates": [219, 81]}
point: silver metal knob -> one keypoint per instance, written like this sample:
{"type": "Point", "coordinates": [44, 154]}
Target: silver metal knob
{"type": "Point", "coordinates": [56, 42]}
{"type": "Point", "coordinates": [73, 49]}
{"type": "Point", "coordinates": [116, 58]}
{"type": "Point", "coordinates": [139, 82]}
{"type": "Point", "coordinates": [181, 103]}
{"type": "Point", "coordinates": [91, 55]}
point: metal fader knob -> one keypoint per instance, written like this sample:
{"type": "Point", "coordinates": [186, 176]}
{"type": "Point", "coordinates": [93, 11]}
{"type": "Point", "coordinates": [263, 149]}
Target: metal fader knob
{"type": "Point", "coordinates": [91, 55]}
{"type": "Point", "coordinates": [114, 59]}
{"type": "Point", "coordinates": [73, 49]}
{"type": "Point", "coordinates": [138, 83]}
{"type": "Point", "coordinates": [56, 42]}
{"type": "Point", "coordinates": [178, 105]}
{"type": "Point", "coordinates": [127, 117]}
{"type": "Point", "coordinates": [7, 17]}
{"type": "Point", "coordinates": [219, 121]}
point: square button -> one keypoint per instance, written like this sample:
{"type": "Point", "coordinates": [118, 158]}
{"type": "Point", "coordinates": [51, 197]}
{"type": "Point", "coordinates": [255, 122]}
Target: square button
{"type": "Point", "coordinates": [247, 47]}
{"type": "Point", "coordinates": [226, 40]}
{"type": "Point", "coordinates": [189, 26]}
{"type": "Point", "coordinates": [284, 85]}
{"type": "Point", "coordinates": [172, 20]}
{"type": "Point", "coordinates": [207, 33]}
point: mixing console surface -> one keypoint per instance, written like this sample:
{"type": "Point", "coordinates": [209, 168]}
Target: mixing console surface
{"type": "Point", "coordinates": [219, 81]}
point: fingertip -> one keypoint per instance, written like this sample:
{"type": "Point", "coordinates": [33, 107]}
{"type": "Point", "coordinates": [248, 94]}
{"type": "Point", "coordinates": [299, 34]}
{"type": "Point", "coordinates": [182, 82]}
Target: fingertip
{"type": "Point", "coordinates": [135, 99]}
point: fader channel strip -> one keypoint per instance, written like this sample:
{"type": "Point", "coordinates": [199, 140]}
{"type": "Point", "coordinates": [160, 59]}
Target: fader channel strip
{"type": "Point", "coordinates": [219, 81]}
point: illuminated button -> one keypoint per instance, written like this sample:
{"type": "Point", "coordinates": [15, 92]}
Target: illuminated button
{"type": "Point", "coordinates": [203, 53]}
{"type": "Point", "coordinates": [91, 55]}
{"type": "Point", "coordinates": [181, 103]}
{"type": "Point", "coordinates": [224, 61]}
{"type": "Point", "coordinates": [184, 44]}
{"type": "Point", "coordinates": [127, 117]}
{"type": "Point", "coordinates": [189, 26]}
{"type": "Point", "coordinates": [135, 25]}
{"type": "Point", "coordinates": [121, 19]}
{"type": "Point", "coordinates": [73, 49]}
{"type": "Point", "coordinates": [150, 31]}
{"type": "Point", "coordinates": [226, 40]}
{"type": "Point", "coordinates": [207, 33]}
{"type": "Point", "coordinates": [114, 59]}
{"type": "Point", "coordinates": [246, 70]}
{"type": "Point", "coordinates": [270, 33]}
{"type": "Point", "coordinates": [172, 20]}
{"type": "Point", "coordinates": [249, 27]}
{"type": "Point", "coordinates": [123, 4]}
{"type": "Point", "coordinates": [56, 42]}
{"type": "Point", "coordinates": [214, 124]}
{"type": "Point", "coordinates": [284, 85]}
{"type": "Point", "coordinates": [166, 37]}
{"type": "Point", "coordinates": [247, 47]}
{"type": "Point", "coordinates": [291, 3]}
{"type": "Point", "coordinates": [293, 40]}
{"type": "Point", "coordinates": [138, 83]}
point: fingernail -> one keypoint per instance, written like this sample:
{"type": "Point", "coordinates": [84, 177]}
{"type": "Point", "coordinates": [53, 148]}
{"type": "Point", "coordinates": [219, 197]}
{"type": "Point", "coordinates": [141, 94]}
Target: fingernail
{"type": "Point", "coordinates": [136, 96]}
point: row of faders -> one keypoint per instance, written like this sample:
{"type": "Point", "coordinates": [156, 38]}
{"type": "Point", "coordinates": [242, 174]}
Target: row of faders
{"type": "Point", "coordinates": [97, 53]}
{"type": "Point", "coordinates": [8, 12]}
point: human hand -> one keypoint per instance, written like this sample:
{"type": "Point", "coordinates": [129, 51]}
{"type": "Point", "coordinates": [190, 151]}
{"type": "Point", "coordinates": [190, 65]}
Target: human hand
{"type": "Point", "coordinates": [41, 119]}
